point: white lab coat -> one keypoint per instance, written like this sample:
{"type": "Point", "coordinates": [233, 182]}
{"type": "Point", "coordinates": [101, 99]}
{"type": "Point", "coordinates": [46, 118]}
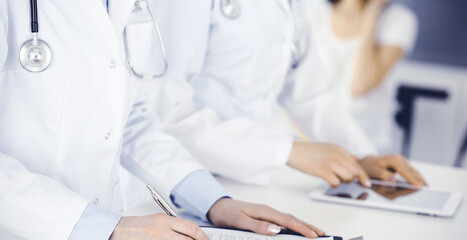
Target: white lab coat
{"type": "Point", "coordinates": [239, 69]}
{"type": "Point", "coordinates": [64, 131]}
{"type": "Point", "coordinates": [239, 148]}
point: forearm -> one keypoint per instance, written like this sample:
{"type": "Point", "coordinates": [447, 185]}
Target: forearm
{"type": "Point", "coordinates": [367, 72]}
{"type": "Point", "coordinates": [372, 62]}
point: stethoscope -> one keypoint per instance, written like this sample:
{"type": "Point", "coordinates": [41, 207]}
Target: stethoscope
{"type": "Point", "coordinates": [35, 55]}
{"type": "Point", "coordinates": [140, 5]}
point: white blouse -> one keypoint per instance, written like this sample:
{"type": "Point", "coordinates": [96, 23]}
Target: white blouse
{"type": "Point", "coordinates": [374, 111]}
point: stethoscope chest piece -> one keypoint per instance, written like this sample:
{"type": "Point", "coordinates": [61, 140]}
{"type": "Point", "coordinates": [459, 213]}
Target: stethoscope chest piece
{"type": "Point", "coordinates": [230, 8]}
{"type": "Point", "coordinates": [35, 55]}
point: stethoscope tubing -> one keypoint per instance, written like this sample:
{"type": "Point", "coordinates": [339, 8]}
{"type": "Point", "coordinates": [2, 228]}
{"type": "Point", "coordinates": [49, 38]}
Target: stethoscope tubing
{"type": "Point", "coordinates": [147, 77]}
{"type": "Point", "coordinates": [34, 17]}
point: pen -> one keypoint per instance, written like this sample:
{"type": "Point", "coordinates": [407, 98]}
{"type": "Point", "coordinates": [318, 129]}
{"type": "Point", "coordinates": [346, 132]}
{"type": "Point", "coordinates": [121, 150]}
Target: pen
{"type": "Point", "coordinates": [162, 203]}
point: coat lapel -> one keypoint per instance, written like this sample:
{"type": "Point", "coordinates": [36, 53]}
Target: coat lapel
{"type": "Point", "coordinates": [119, 11]}
{"type": "Point", "coordinates": [100, 22]}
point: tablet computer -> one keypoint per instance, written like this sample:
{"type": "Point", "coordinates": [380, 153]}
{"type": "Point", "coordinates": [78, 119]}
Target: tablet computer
{"type": "Point", "coordinates": [398, 196]}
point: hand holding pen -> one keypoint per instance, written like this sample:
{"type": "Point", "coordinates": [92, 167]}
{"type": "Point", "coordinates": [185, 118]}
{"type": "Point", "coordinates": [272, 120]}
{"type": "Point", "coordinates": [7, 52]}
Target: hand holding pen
{"type": "Point", "coordinates": [157, 226]}
{"type": "Point", "coordinates": [162, 203]}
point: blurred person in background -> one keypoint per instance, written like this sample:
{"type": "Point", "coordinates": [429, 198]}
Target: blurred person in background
{"type": "Point", "coordinates": [358, 43]}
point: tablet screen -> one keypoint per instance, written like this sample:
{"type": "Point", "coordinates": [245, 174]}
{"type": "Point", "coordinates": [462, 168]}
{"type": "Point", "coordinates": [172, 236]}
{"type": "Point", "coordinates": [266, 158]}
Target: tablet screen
{"type": "Point", "coordinates": [393, 193]}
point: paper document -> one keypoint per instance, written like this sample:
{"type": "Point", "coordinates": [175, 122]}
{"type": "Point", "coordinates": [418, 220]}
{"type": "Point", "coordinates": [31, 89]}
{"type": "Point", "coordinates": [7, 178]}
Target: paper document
{"type": "Point", "coordinates": [228, 234]}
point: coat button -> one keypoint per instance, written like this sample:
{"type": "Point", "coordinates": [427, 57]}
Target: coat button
{"type": "Point", "coordinates": [107, 136]}
{"type": "Point", "coordinates": [96, 201]}
{"type": "Point", "coordinates": [112, 64]}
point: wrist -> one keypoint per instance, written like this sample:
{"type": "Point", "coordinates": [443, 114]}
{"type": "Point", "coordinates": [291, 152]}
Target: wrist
{"type": "Point", "coordinates": [216, 209]}
{"type": "Point", "coordinates": [118, 229]}
{"type": "Point", "coordinates": [295, 153]}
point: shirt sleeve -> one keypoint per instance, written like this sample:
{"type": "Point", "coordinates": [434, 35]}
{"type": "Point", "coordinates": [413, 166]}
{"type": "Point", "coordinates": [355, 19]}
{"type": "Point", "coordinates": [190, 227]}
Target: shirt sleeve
{"type": "Point", "coordinates": [398, 27]}
{"type": "Point", "coordinates": [186, 193]}
{"type": "Point", "coordinates": [95, 223]}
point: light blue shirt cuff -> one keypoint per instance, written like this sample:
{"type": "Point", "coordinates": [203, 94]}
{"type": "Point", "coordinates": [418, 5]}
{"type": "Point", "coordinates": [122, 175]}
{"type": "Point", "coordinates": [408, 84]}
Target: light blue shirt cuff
{"type": "Point", "coordinates": [197, 192]}
{"type": "Point", "coordinates": [95, 223]}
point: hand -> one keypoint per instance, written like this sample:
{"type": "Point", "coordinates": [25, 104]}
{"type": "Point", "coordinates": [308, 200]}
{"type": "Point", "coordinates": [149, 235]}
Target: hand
{"type": "Point", "coordinates": [157, 226]}
{"type": "Point", "coordinates": [374, 8]}
{"type": "Point", "coordinates": [384, 167]}
{"type": "Point", "coordinates": [257, 218]}
{"type": "Point", "coordinates": [329, 162]}
{"type": "Point", "coordinates": [371, 14]}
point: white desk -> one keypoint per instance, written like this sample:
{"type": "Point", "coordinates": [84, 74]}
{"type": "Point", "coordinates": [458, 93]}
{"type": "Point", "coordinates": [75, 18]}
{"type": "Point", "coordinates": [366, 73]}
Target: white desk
{"type": "Point", "coordinates": [289, 193]}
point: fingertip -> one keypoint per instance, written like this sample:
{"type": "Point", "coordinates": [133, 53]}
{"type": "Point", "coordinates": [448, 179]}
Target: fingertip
{"type": "Point", "coordinates": [309, 233]}
{"type": "Point", "coordinates": [364, 179]}
{"type": "Point", "coordinates": [273, 229]}
{"type": "Point", "coordinates": [314, 234]}
{"type": "Point", "coordinates": [262, 227]}
{"type": "Point", "coordinates": [320, 232]}
{"type": "Point", "coordinates": [417, 182]}
{"type": "Point", "coordinates": [420, 183]}
{"type": "Point", "coordinates": [413, 180]}
{"type": "Point", "coordinates": [333, 181]}
{"type": "Point", "coordinates": [365, 182]}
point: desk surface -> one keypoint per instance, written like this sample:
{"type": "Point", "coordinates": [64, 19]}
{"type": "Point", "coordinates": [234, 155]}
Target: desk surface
{"type": "Point", "coordinates": [289, 193]}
